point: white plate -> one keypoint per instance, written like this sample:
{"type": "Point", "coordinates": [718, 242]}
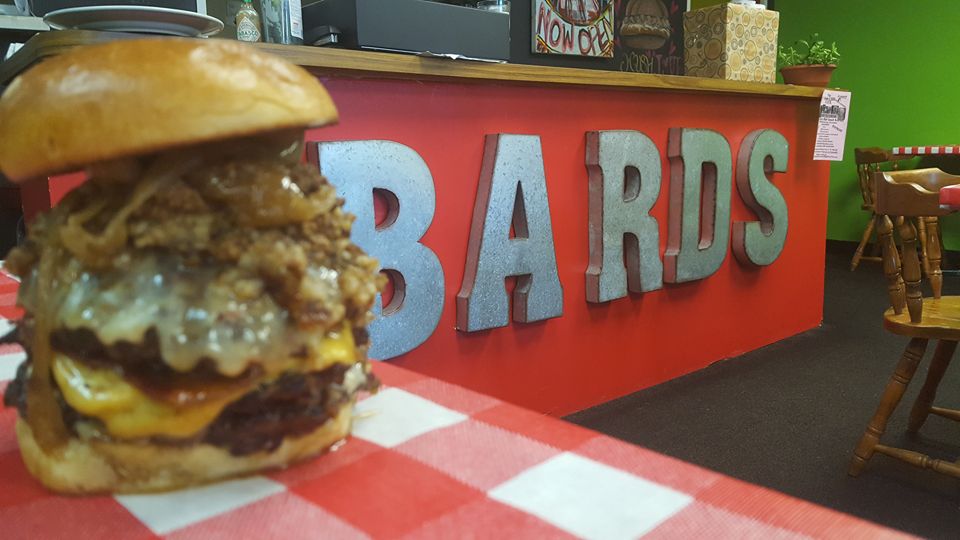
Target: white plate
{"type": "Point", "coordinates": [137, 19]}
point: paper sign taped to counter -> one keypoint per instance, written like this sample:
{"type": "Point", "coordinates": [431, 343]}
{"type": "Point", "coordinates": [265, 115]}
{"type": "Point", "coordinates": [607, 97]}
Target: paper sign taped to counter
{"type": "Point", "coordinates": [832, 127]}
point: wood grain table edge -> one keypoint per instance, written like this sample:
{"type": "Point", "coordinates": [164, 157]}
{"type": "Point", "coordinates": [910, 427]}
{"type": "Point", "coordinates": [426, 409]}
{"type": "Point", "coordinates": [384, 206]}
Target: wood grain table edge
{"type": "Point", "coordinates": [368, 64]}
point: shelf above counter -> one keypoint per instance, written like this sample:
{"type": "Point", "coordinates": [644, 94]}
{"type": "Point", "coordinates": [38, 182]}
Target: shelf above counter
{"type": "Point", "coordinates": [343, 62]}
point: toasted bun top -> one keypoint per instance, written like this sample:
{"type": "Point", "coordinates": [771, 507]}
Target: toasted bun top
{"type": "Point", "coordinates": [135, 97]}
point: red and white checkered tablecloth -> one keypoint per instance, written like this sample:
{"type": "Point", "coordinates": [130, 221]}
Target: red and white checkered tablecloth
{"type": "Point", "coordinates": [925, 150]}
{"type": "Point", "coordinates": [429, 460]}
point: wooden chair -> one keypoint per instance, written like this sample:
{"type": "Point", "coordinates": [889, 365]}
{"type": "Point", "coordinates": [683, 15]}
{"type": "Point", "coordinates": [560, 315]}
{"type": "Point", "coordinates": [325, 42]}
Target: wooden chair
{"type": "Point", "coordinates": [869, 161]}
{"type": "Point", "coordinates": [901, 196]}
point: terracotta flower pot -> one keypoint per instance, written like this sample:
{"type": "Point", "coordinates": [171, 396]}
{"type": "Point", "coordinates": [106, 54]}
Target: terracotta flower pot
{"type": "Point", "coordinates": [808, 75]}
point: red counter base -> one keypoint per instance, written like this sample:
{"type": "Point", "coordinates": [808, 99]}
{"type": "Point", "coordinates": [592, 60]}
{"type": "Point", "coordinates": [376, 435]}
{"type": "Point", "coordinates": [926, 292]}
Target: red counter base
{"type": "Point", "coordinates": [595, 352]}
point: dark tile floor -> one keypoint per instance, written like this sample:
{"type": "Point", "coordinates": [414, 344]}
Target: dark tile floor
{"type": "Point", "coordinates": [787, 416]}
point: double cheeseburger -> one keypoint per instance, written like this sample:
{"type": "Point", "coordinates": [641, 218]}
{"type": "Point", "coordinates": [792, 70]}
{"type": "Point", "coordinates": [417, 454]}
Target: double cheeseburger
{"type": "Point", "coordinates": [646, 25]}
{"type": "Point", "coordinates": [195, 310]}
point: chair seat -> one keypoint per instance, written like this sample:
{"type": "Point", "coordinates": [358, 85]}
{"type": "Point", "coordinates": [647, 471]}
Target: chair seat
{"type": "Point", "coordinates": [941, 320]}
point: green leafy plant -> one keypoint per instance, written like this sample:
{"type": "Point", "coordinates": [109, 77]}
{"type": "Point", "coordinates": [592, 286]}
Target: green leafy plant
{"type": "Point", "coordinates": [803, 52]}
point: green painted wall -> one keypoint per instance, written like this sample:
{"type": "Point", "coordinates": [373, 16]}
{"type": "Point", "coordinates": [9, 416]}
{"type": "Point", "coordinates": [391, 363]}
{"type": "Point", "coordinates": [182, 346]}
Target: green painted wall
{"type": "Point", "coordinates": [900, 61]}
{"type": "Point", "coordinates": [697, 4]}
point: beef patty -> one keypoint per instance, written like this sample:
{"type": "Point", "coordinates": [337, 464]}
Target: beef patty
{"type": "Point", "coordinates": [291, 405]}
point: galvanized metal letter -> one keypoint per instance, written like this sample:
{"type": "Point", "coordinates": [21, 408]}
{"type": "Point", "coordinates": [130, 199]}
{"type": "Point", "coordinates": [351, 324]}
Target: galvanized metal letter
{"type": "Point", "coordinates": [624, 170]}
{"type": "Point", "coordinates": [759, 243]}
{"type": "Point", "coordinates": [357, 168]}
{"type": "Point", "coordinates": [512, 191]}
{"type": "Point", "coordinates": [698, 232]}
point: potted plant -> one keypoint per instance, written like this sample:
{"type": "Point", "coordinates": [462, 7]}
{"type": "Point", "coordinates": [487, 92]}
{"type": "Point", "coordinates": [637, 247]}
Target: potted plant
{"type": "Point", "coordinates": [811, 68]}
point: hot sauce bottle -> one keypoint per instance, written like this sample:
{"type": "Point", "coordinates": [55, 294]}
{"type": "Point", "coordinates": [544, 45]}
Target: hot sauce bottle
{"type": "Point", "coordinates": [248, 23]}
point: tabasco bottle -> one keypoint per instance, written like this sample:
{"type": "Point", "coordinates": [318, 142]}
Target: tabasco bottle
{"type": "Point", "coordinates": [248, 23]}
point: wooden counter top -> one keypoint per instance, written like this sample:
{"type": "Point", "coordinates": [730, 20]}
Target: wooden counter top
{"type": "Point", "coordinates": [326, 61]}
{"type": "Point", "coordinates": [409, 66]}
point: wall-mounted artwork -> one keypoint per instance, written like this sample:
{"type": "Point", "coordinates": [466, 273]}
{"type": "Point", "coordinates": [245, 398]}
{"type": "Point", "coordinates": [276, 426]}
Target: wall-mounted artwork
{"type": "Point", "coordinates": [649, 36]}
{"type": "Point", "coordinates": [573, 27]}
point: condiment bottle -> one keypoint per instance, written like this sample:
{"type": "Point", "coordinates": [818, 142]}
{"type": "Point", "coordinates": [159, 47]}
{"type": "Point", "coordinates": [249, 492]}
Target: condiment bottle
{"type": "Point", "coordinates": [248, 23]}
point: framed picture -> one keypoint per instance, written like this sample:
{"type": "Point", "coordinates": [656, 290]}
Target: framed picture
{"type": "Point", "coordinates": [649, 36]}
{"type": "Point", "coordinates": [573, 27]}
{"type": "Point", "coordinates": [640, 36]}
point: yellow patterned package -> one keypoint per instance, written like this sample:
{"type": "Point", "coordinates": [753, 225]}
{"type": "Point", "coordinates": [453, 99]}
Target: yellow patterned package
{"type": "Point", "coordinates": [731, 41]}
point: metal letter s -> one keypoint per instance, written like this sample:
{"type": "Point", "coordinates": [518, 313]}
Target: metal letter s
{"type": "Point", "coordinates": [701, 170]}
{"type": "Point", "coordinates": [357, 168]}
{"type": "Point", "coordinates": [512, 190]}
{"type": "Point", "coordinates": [759, 243]}
{"type": "Point", "coordinates": [624, 172]}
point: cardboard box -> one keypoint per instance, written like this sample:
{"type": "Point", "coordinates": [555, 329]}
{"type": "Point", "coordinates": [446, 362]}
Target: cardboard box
{"type": "Point", "coordinates": [732, 42]}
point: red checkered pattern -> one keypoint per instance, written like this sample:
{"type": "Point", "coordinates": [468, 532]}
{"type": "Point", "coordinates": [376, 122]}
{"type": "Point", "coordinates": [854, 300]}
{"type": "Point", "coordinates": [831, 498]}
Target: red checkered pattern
{"type": "Point", "coordinates": [925, 150]}
{"type": "Point", "coordinates": [432, 460]}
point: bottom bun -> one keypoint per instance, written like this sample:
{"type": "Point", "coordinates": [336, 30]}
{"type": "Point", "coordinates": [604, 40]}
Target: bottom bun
{"type": "Point", "coordinates": [96, 466]}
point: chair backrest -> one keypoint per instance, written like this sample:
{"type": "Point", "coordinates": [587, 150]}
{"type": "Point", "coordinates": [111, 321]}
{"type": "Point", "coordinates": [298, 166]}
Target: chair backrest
{"type": "Point", "coordinates": [871, 160]}
{"type": "Point", "coordinates": [901, 198]}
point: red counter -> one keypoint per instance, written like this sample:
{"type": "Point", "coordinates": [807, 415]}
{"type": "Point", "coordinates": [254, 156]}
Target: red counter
{"type": "Point", "coordinates": [594, 352]}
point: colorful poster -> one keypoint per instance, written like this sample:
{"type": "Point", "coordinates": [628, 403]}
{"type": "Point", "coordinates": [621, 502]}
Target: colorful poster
{"type": "Point", "coordinates": [649, 36]}
{"type": "Point", "coordinates": [573, 27]}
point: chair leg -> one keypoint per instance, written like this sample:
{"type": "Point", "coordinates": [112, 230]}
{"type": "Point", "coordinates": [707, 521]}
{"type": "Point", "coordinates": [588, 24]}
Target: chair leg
{"type": "Point", "coordinates": [875, 250]}
{"type": "Point", "coordinates": [938, 367]}
{"type": "Point", "coordinates": [922, 233]}
{"type": "Point", "coordinates": [857, 255]}
{"type": "Point", "coordinates": [906, 367]}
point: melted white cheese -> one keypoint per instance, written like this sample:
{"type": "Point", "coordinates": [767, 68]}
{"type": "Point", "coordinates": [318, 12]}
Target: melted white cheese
{"type": "Point", "coordinates": [197, 313]}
